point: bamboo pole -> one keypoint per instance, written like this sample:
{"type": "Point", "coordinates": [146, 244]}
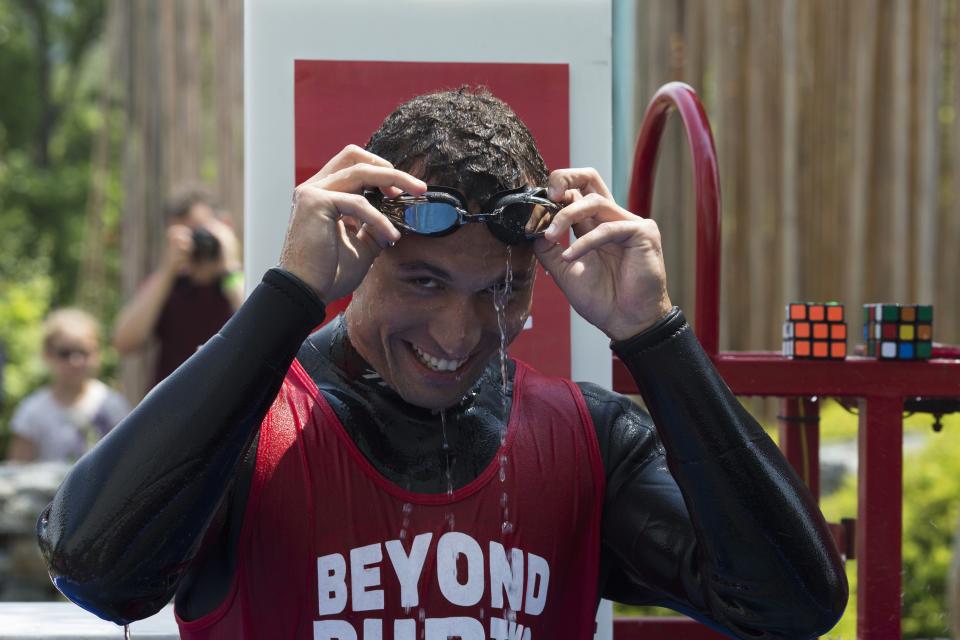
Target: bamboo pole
{"type": "Point", "coordinates": [761, 170]}
{"type": "Point", "coordinates": [947, 327]}
{"type": "Point", "coordinates": [926, 204]}
{"type": "Point", "coordinates": [898, 124]}
{"type": "Point", "coordinates": [93, 279]}
{"type": "Point", "coordinates": [863, 44]}
{"type": "Point", "coordinates": [226, 19]}
{"type": "Point", "coordinates": [790, 228]}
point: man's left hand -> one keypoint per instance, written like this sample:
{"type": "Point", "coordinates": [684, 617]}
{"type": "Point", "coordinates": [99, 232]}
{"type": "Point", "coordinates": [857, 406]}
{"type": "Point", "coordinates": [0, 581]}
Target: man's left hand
{"type": "Point", "coordinates": [613, 273]}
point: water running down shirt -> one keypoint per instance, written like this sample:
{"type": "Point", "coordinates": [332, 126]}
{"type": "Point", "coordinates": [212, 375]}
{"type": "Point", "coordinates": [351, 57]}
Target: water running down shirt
{"type": "Point", "coordinates": [320, 555]}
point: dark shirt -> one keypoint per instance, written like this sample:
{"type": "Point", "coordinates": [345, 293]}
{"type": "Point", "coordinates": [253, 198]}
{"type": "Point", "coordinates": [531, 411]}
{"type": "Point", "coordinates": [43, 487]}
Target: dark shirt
{"type": "Point", "coordinates": [192, 314]}
{"type": "Point", "coordinates": [701, 512]}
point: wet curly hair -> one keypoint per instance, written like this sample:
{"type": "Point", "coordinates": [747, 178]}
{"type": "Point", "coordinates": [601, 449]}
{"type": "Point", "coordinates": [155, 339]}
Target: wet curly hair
{"type": "Point", "coordinates": [466, 139]}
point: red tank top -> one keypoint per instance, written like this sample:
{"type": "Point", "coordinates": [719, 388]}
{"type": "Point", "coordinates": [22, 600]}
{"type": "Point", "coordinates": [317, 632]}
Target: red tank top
{"type": "Point", "coordinates": [330, 549]}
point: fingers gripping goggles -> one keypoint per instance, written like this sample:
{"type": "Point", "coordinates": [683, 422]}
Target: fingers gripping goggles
{"type": "Point", "coordinates": [512, 216]}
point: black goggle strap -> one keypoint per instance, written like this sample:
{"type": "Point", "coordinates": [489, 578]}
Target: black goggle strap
{"type": "Point", "coordinates": [528, 213]}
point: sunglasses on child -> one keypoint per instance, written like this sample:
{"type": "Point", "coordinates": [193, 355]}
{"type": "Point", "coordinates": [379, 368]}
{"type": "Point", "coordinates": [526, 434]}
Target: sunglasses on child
{"type": "Point", "coordinates": [68, 353]}
{"type": "Point", "coordinates": [513, 216]}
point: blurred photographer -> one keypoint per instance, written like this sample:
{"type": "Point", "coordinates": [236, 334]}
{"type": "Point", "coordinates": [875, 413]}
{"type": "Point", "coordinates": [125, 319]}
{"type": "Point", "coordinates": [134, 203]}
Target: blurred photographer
{"type": "Point", "coordinates": [195, 289]}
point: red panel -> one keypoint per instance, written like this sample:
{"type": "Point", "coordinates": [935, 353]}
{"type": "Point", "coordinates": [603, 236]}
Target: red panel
{"type": "Point", "coordinates": [879, 518]}
{"type": "Point", "coordinates": [341, 102]}
{"type": "Point", "coordinates": [800, 439]}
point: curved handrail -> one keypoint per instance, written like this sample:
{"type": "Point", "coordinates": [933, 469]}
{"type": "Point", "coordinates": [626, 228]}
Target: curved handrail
{"type": "Point", "coordinates": [684, 99]}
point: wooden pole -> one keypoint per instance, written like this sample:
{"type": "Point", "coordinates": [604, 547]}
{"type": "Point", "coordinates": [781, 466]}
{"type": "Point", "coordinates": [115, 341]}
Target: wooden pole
{"type": "Point", "coordinates": [863, 44]}
{"type": "Point", "coordinates": [898, 125]}
{"type": "Point", "coordinates": [790, 228]}
{"type": "Point", "coordinates": [927, 199]}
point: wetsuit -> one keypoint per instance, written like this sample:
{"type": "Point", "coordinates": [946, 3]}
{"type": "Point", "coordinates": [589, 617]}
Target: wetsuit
{"type": "Point", "coordinates": [701, 514]}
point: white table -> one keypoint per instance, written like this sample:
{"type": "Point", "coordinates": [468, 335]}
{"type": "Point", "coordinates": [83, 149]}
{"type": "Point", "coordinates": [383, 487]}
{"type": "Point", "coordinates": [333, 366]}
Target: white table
{"type": "Point", "coordinates": [65, 621]}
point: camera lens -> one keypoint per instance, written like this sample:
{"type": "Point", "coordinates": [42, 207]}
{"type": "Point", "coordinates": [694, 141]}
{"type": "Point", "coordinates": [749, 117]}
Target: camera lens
{"type": "Point", "coordinates": [205, 245]}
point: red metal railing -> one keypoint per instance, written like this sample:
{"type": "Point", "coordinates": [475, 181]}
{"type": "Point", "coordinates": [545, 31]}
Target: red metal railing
{"type": "Point", "coordinates": [706, 180]}
{"type": "Point", "coordinates": [875, 537]}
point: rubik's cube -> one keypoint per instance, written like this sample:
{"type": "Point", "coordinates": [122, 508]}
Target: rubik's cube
{"type": "Point", "coordinates": [815, 330]}
{"type": "Point", "coordinates": [898, 331]}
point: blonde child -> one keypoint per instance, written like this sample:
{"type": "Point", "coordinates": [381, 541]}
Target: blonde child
{"type": "Point", "coordinates": [65, 418]}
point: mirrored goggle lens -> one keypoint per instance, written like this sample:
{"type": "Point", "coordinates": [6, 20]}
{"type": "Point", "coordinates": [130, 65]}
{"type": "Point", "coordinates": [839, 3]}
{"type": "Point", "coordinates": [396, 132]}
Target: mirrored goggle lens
{"type": "Point", "coordinates": [528, 219]}
{"type": "Point", "coordinates": [430, 217]}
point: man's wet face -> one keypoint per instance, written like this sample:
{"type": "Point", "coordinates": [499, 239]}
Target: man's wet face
{"type": "Point", "coordinates": [424, 316]}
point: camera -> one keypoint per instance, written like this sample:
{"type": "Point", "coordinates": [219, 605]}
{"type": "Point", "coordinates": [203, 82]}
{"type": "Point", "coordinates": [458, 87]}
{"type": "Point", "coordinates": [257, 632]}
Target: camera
{"type": "Point", "coordinates": [205, 245]}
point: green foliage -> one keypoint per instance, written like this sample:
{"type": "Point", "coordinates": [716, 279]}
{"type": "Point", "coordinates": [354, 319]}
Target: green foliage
{"type": "Point", "coordinates": [20, 99]}
{"type": "Point", "coordinates": [52, 65]}
{"type": "Point", "coordinates": [931, 489]}
{"type": "Point", "coordinates": [22, 307]}
{"type": "Point", "coordinates": [49, 203]}
{"type": "Point", "coordinates": [930, 514]}
{"type": "Point", "coordinates": [25, 293]}
{"type": "Point", "coordinates": [839, 423]}
{"type": "Point", "coordinates": [48, 118]}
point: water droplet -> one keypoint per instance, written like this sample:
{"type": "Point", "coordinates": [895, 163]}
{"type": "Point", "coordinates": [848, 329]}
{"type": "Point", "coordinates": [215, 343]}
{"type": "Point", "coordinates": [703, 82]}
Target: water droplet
{"type": "Point", "coordinates": [501, 299]}
{"type": "Point", "coordinates": [503, 474]}
{"type": "Point", "coordinates": [503, 500]}
{"type": "Point", "coordinates": [506, 528]}
{"type": "Point", "coordinates": [126, 632]}
{"type": "Point", "coordinates": [482, 613]}
{"type": "Point", "coordinates": [445, 448]}
{"type": "Point", "coordinates": [451, 521]}
{"type": "Point", "coordinates": [403, 535]}
{"type": "Point", "coordinates": [421, 615]}
{"type": "Point", "coordinates": [407, 508]}
{"type": "Point", "coordinates": [406, 611]}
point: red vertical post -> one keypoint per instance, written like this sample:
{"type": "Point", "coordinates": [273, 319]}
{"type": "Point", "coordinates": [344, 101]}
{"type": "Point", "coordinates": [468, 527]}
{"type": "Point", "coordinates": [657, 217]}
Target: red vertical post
{"type": "Point", "coordinates": [799, 428]}
{"type": "Point", "coordinates": [706, 177]}
{"type": "Point", "coordinates": [879, 518]}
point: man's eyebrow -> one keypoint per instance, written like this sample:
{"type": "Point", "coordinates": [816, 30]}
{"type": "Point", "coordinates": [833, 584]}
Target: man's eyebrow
{"type": "Point", "coordinates": [420, 265]}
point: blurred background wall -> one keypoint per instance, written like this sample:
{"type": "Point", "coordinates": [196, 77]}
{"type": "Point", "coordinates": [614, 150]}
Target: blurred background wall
{"type": "Point", "coordinates": [836, 125]}
{"type": "Point", "coordinates": [839, 152]}
{"type": "Point", "coordinates": [179, 76]}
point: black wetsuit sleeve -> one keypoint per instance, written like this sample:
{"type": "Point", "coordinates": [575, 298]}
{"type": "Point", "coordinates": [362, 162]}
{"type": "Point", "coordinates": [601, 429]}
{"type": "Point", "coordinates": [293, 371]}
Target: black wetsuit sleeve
{"type": "Point", "coordinates": [702, 513]}
{"type": "Point", "coordinates": [129, 517]}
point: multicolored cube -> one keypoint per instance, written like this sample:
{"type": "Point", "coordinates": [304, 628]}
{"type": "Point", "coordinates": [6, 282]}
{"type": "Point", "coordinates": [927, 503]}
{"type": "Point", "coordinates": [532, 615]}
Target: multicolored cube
{"type": "Point", "coordinates": [898, 331]}
{"type": "Point", "coordinates": [815, 331]}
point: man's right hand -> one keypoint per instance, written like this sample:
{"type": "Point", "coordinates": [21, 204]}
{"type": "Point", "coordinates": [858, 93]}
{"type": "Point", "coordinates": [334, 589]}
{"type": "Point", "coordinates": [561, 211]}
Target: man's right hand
{"type": "Point", "coordinates": [334, 233]}
{"type": "Point", "coordinates": [179, 249]}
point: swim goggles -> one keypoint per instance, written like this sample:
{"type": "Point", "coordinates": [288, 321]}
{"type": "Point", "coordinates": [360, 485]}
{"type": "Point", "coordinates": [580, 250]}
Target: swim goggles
{"type": "Point", "coordinates": [512, 216]}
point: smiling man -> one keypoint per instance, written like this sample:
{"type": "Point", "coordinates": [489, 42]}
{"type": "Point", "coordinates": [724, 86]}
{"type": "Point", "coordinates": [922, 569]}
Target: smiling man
{"type": "Point", "coordinates": [391, 476]}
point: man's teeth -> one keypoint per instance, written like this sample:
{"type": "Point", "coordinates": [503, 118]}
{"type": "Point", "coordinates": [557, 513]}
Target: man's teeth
{"type": "Point", "coordinates": [438, 364]}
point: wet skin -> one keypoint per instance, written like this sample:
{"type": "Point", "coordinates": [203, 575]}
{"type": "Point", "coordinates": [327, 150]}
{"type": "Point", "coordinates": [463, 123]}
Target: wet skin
{"type": "Point", "coordinates": [436, 295]}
